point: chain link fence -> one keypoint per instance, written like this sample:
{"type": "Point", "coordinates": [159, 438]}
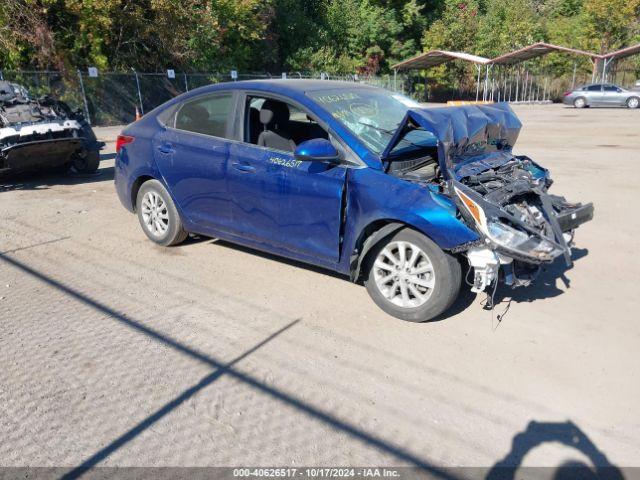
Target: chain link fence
{"type": "Point", "coordinates": [112, 98]}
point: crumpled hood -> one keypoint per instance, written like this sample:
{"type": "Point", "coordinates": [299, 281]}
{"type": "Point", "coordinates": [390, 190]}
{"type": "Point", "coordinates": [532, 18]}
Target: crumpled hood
{"type": "Point", "coordinates": [470, 139]}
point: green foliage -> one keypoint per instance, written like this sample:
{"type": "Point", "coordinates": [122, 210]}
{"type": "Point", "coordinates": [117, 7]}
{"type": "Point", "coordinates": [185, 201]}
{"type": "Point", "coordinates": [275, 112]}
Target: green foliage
{"type": "Point", "coordinates": [335, 36]}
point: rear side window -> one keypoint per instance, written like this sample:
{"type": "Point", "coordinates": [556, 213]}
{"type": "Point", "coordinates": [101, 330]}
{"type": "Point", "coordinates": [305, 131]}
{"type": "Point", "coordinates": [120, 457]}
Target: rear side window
{"type": "Point", "coordinates": [610, 88]}
{"type": "Point", "coordinates": [208, 115]}
{"type": "Point", "coordinates": [594, 88]}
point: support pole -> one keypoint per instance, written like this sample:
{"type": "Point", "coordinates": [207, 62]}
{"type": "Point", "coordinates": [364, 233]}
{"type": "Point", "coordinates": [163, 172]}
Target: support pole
{"type": "Point", "coordinates": [485, 91]}
{"type": "Point", "coordinates": [186, 84]}
{"type": "Point", "coordinates": [139, 92]}
{"type": "Point", "coordinates": [478, 82]}
{"type": "Point", "coordinates": [84, 98]}
{"type": "Point", "coordinates": [395, 79]}
{"type": "Point", "coordinates": [605, 64]}
{"type": "Point", "coordinates": [573, 80]}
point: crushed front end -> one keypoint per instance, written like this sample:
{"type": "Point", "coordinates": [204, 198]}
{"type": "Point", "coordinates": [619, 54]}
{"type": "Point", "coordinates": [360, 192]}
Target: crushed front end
{"type": "Point", "coordinates": [521, 224]}
{"type": "Point", "coordinates": [503, 197]}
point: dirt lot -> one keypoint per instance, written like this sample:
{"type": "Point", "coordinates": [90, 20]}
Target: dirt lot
{"type": "Point", "coordinates": [117, 352]}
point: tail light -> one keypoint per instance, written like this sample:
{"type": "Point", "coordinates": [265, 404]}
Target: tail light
{"type": "Point", "coordinates": [122, 141]}
{"type": "Point", "coordinates": [566, 93]}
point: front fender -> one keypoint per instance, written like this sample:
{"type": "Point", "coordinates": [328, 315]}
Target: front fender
{"type": "Point", "coordinates": [376, 199]}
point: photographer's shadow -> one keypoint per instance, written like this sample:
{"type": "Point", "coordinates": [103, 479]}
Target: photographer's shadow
{"type": "Point", "coordinates": [565, 433]}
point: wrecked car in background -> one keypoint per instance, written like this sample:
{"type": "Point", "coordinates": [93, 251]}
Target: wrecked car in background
{"type": "Point", "coordinates": [43, 133]}
{"type": "Point", "coordinates": [351, 178]}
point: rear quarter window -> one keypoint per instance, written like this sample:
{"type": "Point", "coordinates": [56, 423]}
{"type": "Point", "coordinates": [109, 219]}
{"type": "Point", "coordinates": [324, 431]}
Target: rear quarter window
{"type": "Point", "coordinates": [207, 115]}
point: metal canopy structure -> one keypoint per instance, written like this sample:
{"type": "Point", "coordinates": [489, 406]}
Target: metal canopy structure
{"type": "Point", "coordinates": [438, 57]}
{"type": "Point", "coordinates": [536, 50]}
{"type": "Point", "coordinates": [622, 53]}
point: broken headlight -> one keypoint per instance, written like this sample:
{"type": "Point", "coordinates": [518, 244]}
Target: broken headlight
{"type": "Point", "coordinates": [503, 234]}
{"type": "Point", "coordinates": [507, 237]}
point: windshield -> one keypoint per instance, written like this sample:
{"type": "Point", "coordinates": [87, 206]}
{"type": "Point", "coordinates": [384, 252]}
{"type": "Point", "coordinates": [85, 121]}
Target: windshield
{"type": "Point", "coordinates": [373, 115]}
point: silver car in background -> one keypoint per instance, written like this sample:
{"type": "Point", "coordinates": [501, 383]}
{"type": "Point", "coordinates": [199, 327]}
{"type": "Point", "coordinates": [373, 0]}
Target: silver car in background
{"type": "Point", "coordinates": [602, 95]}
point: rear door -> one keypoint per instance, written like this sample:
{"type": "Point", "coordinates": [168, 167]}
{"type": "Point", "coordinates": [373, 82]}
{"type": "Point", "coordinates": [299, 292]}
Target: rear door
{"type": "Point", "coordinates": [192, 157]}
{"type": "Point", "coordinates": [594, 95]}
{"type": "Point", "coordinates": [286, 203]}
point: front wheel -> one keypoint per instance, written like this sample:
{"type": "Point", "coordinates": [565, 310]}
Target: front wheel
{"type": "Point", "coordinates": [158, 215]}
{"type": "Point", "coordinates": [411, 278]}
{"type": "Point", "coordinates": [633, 102]}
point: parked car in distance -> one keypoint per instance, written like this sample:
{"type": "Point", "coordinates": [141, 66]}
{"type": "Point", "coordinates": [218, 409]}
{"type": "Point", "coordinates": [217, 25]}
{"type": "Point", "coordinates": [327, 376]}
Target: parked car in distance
{"type": "Point", "coordinates": [602, 95]}
{"type": "Point", "coordinates": [351, 178]}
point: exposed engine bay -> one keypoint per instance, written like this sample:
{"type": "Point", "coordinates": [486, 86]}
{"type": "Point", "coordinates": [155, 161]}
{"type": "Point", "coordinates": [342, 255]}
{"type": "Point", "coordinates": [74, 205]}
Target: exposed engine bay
{"type": "Point", "coordinates": [503, 197]}
{"type": "Point", "coordinates": [43, 133]}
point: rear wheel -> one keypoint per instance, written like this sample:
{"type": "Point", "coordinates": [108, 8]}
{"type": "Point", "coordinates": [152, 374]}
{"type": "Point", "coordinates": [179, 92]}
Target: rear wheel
{"type": "Point", "coordinates": [580, 102]}
{"type": "Point", "coordinates": [411, 278]}
{"type": "Point", "coordinates": [158, 216]}
{"type": "Point", "coordinates": [633, 102]}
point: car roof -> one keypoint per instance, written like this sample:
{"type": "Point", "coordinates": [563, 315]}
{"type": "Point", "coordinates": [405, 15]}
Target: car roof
{"type": "Point", "coordinates": [285, 86]}
{"type": "Point", "coordinates": [598, 84]}
{"type": "Point", "coordinates": [302, 85]}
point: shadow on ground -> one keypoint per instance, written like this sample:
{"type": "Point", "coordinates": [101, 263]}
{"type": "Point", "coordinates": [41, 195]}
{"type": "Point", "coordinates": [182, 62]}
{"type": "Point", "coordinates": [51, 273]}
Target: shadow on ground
{"type": "Point", "coordinates": [545, 286]}
{"type": "Point", "coordinates": [564, 433]}
{"type": "Point", "coordinates": [44, 179]}
{"type": "Point", "coordinates": [507, 468]}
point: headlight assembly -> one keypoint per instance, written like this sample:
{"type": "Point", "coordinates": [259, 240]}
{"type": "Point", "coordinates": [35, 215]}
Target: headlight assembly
{"type": "Point", "coordinates": [506, 236]}
{"type": "Point", "coordinates": [503, 234]}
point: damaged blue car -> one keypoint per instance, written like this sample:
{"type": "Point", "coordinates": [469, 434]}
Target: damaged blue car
{"type": "Point", "coordinates": [352, 178]}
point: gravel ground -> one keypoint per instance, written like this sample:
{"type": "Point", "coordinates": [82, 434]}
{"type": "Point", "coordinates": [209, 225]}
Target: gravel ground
{"type": "Point", "coordinates": [116, 352]}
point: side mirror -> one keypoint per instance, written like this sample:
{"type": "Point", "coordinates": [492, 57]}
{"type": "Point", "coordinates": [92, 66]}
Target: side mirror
{"type": "Point", "coordinates": [317, 150]}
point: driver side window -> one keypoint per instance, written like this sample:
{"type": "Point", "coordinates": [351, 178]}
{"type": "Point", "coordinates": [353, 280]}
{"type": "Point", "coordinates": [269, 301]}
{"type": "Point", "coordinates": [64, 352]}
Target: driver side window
{"type": "Point", "coordinates": [278, 125]}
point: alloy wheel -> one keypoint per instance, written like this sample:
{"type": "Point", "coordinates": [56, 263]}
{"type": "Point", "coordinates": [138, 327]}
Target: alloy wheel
{"type": "Point", "coordinates": [155, 213]}
{"type": "Point", "coordinates": [404, 274]}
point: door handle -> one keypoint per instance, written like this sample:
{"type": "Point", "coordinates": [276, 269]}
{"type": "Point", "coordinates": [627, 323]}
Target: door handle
{"type": "Point", "coordinates": [244, 167]}
{"type": "Point", "coordinates": [165, 148]}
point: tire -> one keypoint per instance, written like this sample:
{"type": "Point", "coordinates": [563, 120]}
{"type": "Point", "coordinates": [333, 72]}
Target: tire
{"type": "Point", "coordinates": [633, 102]}
{"type": "Point", "coordinates": [432, 267]}
{"type": "Point", "coordinates": [158, 216]}
{"type": "Point", "coordinates": [86, 161]}
{"type": "Point", "coordinates": [580, 102]}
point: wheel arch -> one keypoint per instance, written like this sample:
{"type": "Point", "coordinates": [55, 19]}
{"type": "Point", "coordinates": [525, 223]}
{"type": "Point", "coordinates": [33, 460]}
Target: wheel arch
{"type": "Point", "coordinates": [135, 188]}
{"type": "Point", "coordinates": [369, 237]}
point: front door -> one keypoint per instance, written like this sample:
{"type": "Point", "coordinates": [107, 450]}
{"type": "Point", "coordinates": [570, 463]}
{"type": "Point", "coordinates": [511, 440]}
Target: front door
{"type": "Point", "coordinates": [286, 203]}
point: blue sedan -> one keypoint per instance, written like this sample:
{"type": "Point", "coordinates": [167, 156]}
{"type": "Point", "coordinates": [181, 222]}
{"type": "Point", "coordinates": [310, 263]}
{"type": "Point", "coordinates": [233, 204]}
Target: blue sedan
{"type": "Point", "coordinates": [351, 178]}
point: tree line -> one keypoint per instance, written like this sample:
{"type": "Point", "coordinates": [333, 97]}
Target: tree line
{"type": "Point", "coordinates": [333, 36]}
